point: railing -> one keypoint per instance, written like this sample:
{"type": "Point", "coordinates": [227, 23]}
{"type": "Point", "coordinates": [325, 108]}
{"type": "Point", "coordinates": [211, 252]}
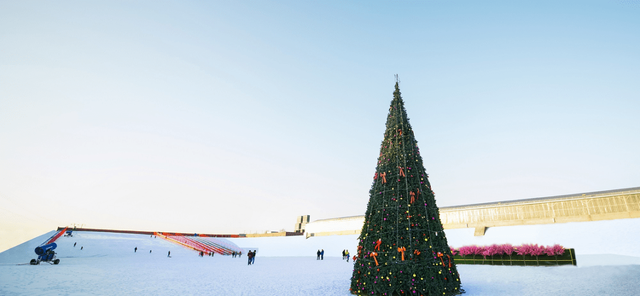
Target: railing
{"type": "Point", "coordinates": [200, 244]}
{"type": "Point", "coordinates": [54, 237]}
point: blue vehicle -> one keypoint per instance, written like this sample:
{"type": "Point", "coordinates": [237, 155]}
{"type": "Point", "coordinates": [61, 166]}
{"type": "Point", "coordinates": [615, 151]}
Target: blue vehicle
{"type": "Point", "coordinates": [46, 254]}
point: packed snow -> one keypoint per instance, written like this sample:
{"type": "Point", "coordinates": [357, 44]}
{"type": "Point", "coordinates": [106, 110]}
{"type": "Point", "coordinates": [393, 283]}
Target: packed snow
{"type": "Point", "coordinates": [106, 264]}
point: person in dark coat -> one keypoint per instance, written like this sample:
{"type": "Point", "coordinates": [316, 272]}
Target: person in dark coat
{"type": "Point", "coordinates": [318, 255]}
{"type": "Point", "coordinates": [322, 254]}
{"type": "Point", "coordinates": [249, 256]}
{"type": "Point", "coordinates": [253, 258]}
{"type": "Point", "coordinates": [135, 250]}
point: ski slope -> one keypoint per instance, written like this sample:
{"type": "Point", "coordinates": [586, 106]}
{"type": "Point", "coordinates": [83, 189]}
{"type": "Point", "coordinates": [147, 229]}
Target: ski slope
{"type": "Point", "coordinates": [108, 265]}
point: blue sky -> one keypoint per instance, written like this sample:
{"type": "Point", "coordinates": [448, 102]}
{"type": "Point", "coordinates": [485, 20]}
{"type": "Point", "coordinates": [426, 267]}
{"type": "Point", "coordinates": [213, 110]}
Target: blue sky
{"type": "Point", "coordinates": [233, 116]}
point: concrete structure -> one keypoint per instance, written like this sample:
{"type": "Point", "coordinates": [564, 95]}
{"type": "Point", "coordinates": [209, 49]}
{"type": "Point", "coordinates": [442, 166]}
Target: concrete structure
{"type": "Point", "coordinates": [335, 226]}
{"type": "Point", "coordinates": [582, 207]}
{"type": "Point", "coordinates": [301, 223]}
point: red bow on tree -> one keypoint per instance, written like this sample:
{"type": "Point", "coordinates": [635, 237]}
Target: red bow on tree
{"type": "Point", "coordinates": [374, 255]}
{"type": "Point", "coordinates": [402, 249]}
{"type": "Point", "coordinates": [440, 255]}
{"type": "Point", "coordinates": [377, 247]}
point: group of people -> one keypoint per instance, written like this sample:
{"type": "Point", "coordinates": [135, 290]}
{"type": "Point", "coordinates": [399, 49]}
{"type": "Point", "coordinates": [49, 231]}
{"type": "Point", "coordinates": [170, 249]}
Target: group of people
{"type": "Point", "coordinates": [251, 254]}
{"type": "Point", "coordinates": [251, 257]}
{"type": "Point", "coordinates": [345, 255]}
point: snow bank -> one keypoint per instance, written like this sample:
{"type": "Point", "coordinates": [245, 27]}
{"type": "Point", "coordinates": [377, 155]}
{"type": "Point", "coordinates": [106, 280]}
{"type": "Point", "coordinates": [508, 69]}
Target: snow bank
{"type": "Point", "coordinates": [108, 265]}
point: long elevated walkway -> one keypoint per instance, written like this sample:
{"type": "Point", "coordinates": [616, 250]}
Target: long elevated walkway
{"type": "Point", "coordinates": [592, 206]}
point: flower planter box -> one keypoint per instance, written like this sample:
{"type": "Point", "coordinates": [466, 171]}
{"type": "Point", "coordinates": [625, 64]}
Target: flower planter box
{"type": "Point", "coordinates": [568, 258]}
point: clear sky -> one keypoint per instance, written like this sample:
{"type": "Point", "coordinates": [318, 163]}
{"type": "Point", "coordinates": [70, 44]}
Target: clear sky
{"type": "Point", "coordinates": [234, 116]}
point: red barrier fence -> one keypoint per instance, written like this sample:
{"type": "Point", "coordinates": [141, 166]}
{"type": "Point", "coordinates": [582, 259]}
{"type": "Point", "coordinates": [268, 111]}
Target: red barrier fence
{"type": "Point", "coordinates": [200, 244]}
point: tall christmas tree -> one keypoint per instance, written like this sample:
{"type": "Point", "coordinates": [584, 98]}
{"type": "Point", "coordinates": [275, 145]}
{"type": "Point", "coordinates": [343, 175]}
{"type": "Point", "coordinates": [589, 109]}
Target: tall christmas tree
{"type": "Point", "coordinates": [402, 248]}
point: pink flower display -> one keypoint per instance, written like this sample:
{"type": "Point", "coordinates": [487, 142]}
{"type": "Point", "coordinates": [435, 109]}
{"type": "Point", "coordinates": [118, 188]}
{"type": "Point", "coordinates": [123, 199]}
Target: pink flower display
{"type": "Point", "coordinates": [555, 250]}
{"type": "Point", "coordinates": [480, 250]}
{"type": "Point", "coordinates": [523, 250]}
{"type": "Point", "coordinates": [492, 250]}
{"type": "Point", "coordinates": [467, 250]}
{"type": "Point", "coordinates": [537, 250]}
{"type": "Point", "coordinates": [508, 249]}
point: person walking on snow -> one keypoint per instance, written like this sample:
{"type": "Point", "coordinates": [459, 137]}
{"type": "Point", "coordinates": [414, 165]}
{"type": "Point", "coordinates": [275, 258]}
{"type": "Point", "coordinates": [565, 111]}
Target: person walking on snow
{"type": "Point", "coordinates": [253, 258]}
{"type": "Point", "coordinates": [322, 254]}
{"type": "Point", "coordinates": [346, 253]}
{"type": "Point", "coordinates": [249, 256]}
{"type": "Point", "coordinates": [135, 250]}
{"type": "Point", "coordinates": [318, 255]}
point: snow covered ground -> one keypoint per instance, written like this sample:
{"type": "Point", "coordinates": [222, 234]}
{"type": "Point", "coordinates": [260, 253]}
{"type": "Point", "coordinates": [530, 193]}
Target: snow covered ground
{"type": "Point", "coordinates": [107, 265]}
